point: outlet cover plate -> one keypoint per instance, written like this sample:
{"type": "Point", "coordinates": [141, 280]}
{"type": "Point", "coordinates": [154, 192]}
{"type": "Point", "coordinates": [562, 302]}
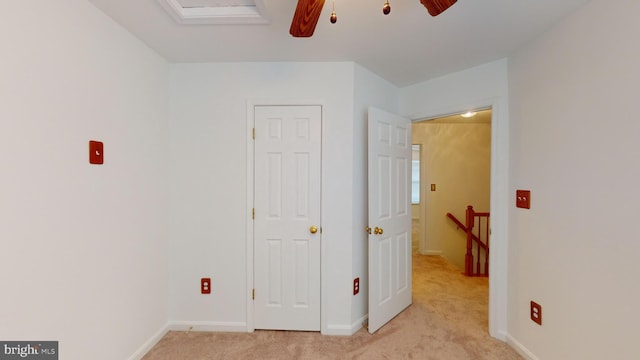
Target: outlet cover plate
{"type": "Point", "coordinates": [205, 285]}
{"type": "Point", "coordinates": [536, 313]}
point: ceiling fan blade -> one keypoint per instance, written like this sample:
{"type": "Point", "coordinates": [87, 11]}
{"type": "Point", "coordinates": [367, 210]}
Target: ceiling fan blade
{"type": "Point", "coordinates": [436, 7]}
{"type": "Point", "coordinates": [306, 17]}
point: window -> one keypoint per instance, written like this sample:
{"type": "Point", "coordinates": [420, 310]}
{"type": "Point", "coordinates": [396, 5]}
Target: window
{"type": "Point", "coordinates": [415, 174]}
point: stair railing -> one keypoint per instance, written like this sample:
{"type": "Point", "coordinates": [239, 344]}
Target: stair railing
{"type": "Point", "coordinates": [478, 235]}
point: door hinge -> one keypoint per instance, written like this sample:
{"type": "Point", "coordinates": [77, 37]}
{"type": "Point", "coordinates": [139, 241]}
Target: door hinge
{"type": "Point", "coordinates": [253, 133]}
{"type": "Point", "coordinates": [253, 213]}
{"type": "Point", "coordinates": [253, 294]}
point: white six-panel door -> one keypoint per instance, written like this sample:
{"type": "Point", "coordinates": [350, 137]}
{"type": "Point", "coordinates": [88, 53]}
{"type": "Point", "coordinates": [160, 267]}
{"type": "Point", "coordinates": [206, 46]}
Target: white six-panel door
{"type": "Point", "coordinates": [389, 216]}
{"type": "Point", "coordinates": [287, 217]}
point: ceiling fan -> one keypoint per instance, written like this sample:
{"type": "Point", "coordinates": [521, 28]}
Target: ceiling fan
{"type": "Point", "coordinates": [308, 12]}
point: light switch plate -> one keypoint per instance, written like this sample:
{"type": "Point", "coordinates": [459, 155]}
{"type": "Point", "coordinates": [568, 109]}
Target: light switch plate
{"type": "Point", "coordinates": [96, 152]}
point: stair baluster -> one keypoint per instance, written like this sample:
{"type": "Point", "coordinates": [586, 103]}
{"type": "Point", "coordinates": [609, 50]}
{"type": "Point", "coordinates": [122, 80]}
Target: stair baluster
{"type": "Point", "coordinates": [477, 237]}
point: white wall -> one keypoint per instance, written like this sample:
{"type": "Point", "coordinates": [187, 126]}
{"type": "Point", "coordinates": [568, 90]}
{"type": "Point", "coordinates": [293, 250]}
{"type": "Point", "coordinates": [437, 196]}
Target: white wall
{"type": "Point", "coordinates": [457, 159]}
{"type": "Point", "coordinates": [481, 86]}
{"type": "Point", "coordinates": [369, 90]}
{"type": "Point", "coordinates": [83, 258]}
{"type": "Point", "coordinates": [209, 214]}
{"type": "Point", "coordinates": [575, 143]}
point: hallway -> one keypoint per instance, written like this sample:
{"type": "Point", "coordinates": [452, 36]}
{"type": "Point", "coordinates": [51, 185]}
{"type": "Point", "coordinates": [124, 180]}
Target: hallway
{"type": "Point", "coordinates": [460, 302]}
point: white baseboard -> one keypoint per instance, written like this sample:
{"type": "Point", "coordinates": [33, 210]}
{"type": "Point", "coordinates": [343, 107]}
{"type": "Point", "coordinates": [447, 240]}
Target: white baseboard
{"type": "Point", "coordinates": [359, 324]}
{"type": "Point", "coordinates": [207, 326]}
{"type": "Point", "coordinates": [345, 330]}
{"type": "Point", "coordinates": [187, 326]}
{"type": "Point", "coordinates": [520, 349]}
{"type": "Point", "coordinates": [338, 330]}
{"type": "Point", "coordinates": [149, 343]}
{"type": "Point", "coordinates": [432, 252]}
{"type": "Point", "coordinates": [500, 335]}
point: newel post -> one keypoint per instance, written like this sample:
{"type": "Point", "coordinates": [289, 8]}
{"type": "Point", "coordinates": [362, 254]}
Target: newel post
{"type": "Point", "coordinates": [468, 257]}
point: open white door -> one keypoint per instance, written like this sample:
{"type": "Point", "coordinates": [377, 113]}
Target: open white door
{"type": "Point", "coordinates": [389, 216]}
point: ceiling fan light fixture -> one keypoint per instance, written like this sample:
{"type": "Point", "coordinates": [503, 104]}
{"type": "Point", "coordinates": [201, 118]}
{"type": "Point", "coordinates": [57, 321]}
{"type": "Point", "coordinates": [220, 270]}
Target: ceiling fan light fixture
{"type": "Point", "coordinates": [386, 8]}
{"type": "Point", "coordinates": [305, 18]}
{"type": "Point", "coordinates": [333, 18]}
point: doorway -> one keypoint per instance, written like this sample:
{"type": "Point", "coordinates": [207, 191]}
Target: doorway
{"type": "Point", "coordinates": [454, 163]}
{"type": "Point", "coordinates": [454, 171]}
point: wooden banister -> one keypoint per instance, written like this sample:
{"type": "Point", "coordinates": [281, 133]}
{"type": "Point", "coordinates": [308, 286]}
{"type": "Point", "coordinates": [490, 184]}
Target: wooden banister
{"type": "Point", "coordinates": [464, 228]}
{"type": "Point", "coordinates": [471, 217]}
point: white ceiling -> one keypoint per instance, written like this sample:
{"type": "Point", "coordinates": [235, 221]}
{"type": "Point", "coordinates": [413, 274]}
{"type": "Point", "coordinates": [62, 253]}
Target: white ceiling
{"type": "Point", "coordinates": [406, 47]}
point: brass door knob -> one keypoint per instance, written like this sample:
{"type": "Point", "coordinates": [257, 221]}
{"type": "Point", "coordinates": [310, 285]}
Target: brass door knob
{"type": "Point", "coordinates": [368, 230]}
{"type": "Point", "coordinates": [378, 230]}
{"type": "Point", "coordinates": [313, 229]}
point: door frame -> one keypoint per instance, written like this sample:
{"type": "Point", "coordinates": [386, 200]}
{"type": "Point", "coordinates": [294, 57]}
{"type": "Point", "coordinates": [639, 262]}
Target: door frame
{"type": "Point", "coordinates": [499, 202]}
{"type": "Point", "coordinates": [251, 104]}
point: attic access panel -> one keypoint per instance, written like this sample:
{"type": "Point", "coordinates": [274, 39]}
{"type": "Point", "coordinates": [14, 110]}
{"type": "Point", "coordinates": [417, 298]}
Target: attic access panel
{"type": "Point", "coordinates": [215, 3]}
{"type": "Point", "coordinates": [216, 11]}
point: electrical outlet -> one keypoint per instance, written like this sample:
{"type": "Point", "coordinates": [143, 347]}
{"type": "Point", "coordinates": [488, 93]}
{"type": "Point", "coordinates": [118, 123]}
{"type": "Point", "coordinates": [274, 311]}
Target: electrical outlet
{"type": "Point", "coordinates": [536, 313]}
{"type": "Point", "coordinates": [356, 286]}
{"type": "Point", "coordinates": [205, 285]}
{"type": "Point", "coordinates": [523, 199]}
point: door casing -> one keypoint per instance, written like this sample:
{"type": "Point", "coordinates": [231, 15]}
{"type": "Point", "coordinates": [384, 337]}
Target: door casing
{"type": "Point", "coordinates": [499, 201]}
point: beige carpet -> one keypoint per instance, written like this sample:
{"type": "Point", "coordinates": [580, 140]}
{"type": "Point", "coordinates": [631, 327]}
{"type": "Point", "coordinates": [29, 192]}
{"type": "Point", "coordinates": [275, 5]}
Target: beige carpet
{"type": "Point", "coordinates": [448, 320]}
